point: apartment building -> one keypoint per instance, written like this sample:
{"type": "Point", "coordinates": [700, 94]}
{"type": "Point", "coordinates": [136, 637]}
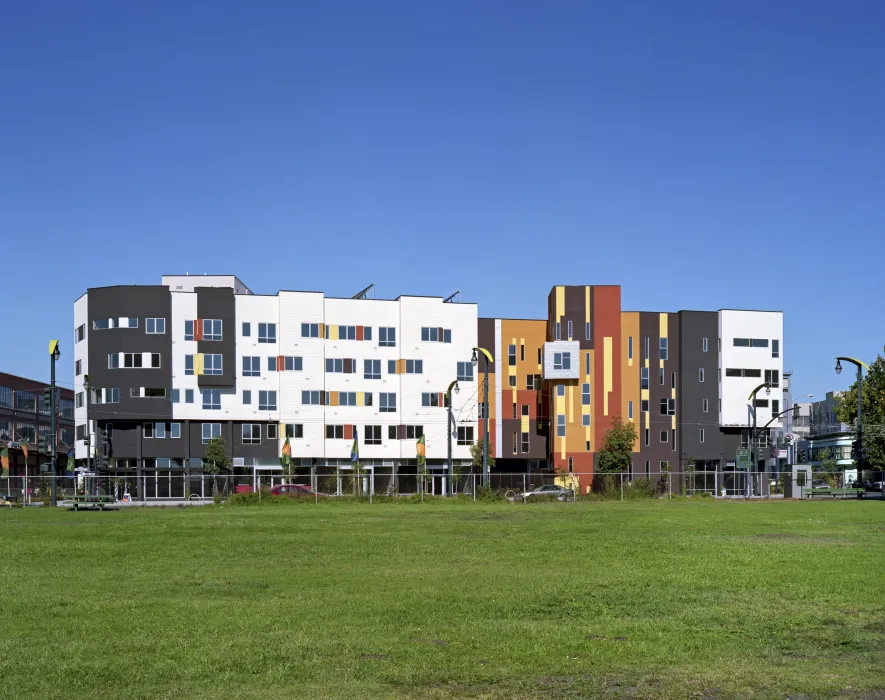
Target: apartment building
{"type": "Point", "coordinates": [173, 365]}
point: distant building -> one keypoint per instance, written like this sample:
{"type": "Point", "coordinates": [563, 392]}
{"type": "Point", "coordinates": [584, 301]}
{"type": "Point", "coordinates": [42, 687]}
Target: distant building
{"type": "Point", "coordinates": [24, 419]}
{"type": "Point", "coordinates": [827, 434]}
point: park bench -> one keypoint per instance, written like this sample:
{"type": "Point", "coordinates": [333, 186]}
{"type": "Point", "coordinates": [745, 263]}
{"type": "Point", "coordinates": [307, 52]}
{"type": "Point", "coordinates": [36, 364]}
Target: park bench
{"type": "Point", "coordinates": [835, 493]}
{"type": "Point", "coordinates": [91, 502]}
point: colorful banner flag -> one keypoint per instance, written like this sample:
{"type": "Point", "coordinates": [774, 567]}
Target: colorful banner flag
{"type": "Point", "coordinates": [25, 450]}
{"type": "Point", "coordinates": [4, 460]}
{"type": "Point", "coordinates": [421, 448]}
{"type": "Point", "coordinates": [287, 453]}
{"type": "Point", "coordinates": [71, 464]}
{"type": "Point", "coordinates": [355, 450]}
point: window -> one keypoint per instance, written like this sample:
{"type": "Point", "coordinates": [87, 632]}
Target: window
{"type": "Point", "coordinates": [701, 375]}
{"type": "Point", "coordinates": [294, 430]}
{"type": "Point", "coordinates": [775, 348]}
{"type": "Point", "coordinates": [585, 420]}
{"type": "Point", "coordinates": [247, 329]}
{"type": "Point", "coordinates": [267, 400]}
{"type": "Point", "coordinates": [430, 399]}
{"type": "Point", "coordinates": [630, 410]}
{"type": "Point", "coordinates": [176, 396]}
{"type": "Point", "coordinates": [668, 407]}
{"type": "Point", "coordinates": [175, 430]}
{"type": "Point", "coordinates": [558, 331]}
{"type": "Point", "coordinates": [311, 398]}
{"type": "Point", "coordinates": [522, 352]}
{"type": "Point", "coordinates": [334, 432]}
{"type": "Point", "coordinates": [587, 331]}
{"type": "Point", "coordinates": [367, 333]}
{"type": "Point", "coordinates": [539, 356]}
{"type": "Point", "coordinates": [738, 372]}
{"type": "Point", "coordinates": [371, 369]}
{"type": "Point", "coordinates": [514, 411]}
{"type": "Point", "coordinates": [759, 342]}
{"type": "Point", "coordinates": [562, 360]}
{"type": "Point", "coordinates": [569, 330]}
{"type": "Point", "coordinates": [78, 368]}
{"type": "Point", "coordinates": [525, 410]}
{"type": "Point", "coordinates": [760, 403]}
{"type": "Point", "coordinates": [741, 342]}
{"type": "Point", "coordinates": [560, 426]}
{"type": "Point", "coordinates": [212, 364]}
{"type": "Point", "coordinates": [188, 330]}
{"type": "Point", "coordinates": [211, 329]}
{"type": "Point", "coordinates": [772, 377]}
{"type": "Point", "coordinates": [585, 394]}
{"type": "Point", "coordinates": [430, 335]}
{"type": "Point", "coordinates": [630, 348]}
{"type": "Point", "coordinates": [511, 380]}
{"type": "Point", "coordinates": [80, 399]}
{"type": "Point", "coordinates": [188, 395]}
{"type": "Point", "coordinates": [704, 345]}
{"type": "Point", "coordinates": [646, 348]}
{"type": "Point", "coordinates": [212, 399]}
{"type": "Point", "coordinates": [465, 372]}
{"type": "Point", "coordinates": [310, 330]}
{"type": "Point", "coordinates": [511, 355]}
{"type": "Point", "coordinates": [514, 443]}
{"type": "Point", "coordinates": [267, 332]}
{"type": "Point", "coordinates": [643, 378]}
{"type": "Point", "coordinates": [414, 366]}
{"type": "Point", "coordinates": [587, 363]}
{"type": "Point", "coordinates": [386, 337]}
{"type": "Point", "coordinates": [665, 467]}
{"type": "Point", "coordinates": [465, 434]}
{"type": "Point", "coordinates": [160, 431]}
{"type": "Point", "coordinates": [80, 333]}
{"type": "Point", "coordinates": [334, 365]}
{"type": "Point", "coordinates": [647, 436]}
{"type": "Point", "coordinates": [251, 433]}
{"type": "Point", "coordinates": [665, 436]}
{"type": "Point", "coordinates": [643, 406]}
{"type": "Point", "coordinates": [247, 397]}
{"type": "Point", "coordinates": [211, 430]}
{"type": "Point", "coordinates": [775, 406]}
{"type": "Point", "coordinates": [372, 435]}
{"type": "Point", "coordinates": [271, 364]}
{"type": "Point", "coordinates": [533, 382]}
{"type": "Point", "coordinates": [391, 367]}
{"type": "Point", "coordinates": [155, 326]}
{"type": "Point", "coordinates": [414, 432]}
{"type": "Point", "coordinates": [188, 364]}
{"type": "Point", "coordinates": [272, 429]}
{"type": "Point", "coordinates": [661, 376]}
{"type": "Point", "coordinates": [148, 430]}
{"type": "Point", "coordinates": [294, 364]}
{"type": "Point", "coordinates": [560, 389]}
{"type": "Point", "coordinates": [706, 406]}
{"type": "Point", "coordinates": [524, 443]}
{"type": "Point", "coordinates": [252, 366]}
{"type": "Point", "coordinates": [701, 438]}
{"type": "Point", "coordinates": [387, 402]}
{"type": "Point", "coordinates": [664, 348]}
{"type": "Point", "coordinates": [348, 398]}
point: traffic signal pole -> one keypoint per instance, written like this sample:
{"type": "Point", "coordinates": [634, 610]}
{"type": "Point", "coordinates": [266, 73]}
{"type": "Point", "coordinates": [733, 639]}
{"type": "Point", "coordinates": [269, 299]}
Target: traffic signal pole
{"type": "Point", "coordinates": [53, 446]}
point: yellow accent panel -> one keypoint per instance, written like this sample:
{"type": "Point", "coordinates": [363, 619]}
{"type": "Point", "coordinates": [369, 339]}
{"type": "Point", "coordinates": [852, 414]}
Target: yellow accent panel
{"type": "Point", "coordinates": [198, 363]}
{"type": "Point", "coordinates": [322, 330]}
{"type": "Point", "coordinates": [673, 417]}
{"type": "Point", "coordinates": [586, 304]}
{"type": "Point", "coordinates": [663, 318]}
{"type": "Point", "coordinates": [524, 424]}
{"type": "Point", "coordinates": [559, 406]}
{"type": "Point", "coordinates": [333, 332]}
{"type": "Point", "coordinates": [607, 370]}
{"type": "Point", "coordinates": [560, 303]}
{"type": "Point", "coordinates": [333, 398]}
{"type": "Point", "coordinates": [401, 369]}
{"type": "Point", "coordinates": [571, 403]}
{"type": "Point", "coordinates": [360, 398]}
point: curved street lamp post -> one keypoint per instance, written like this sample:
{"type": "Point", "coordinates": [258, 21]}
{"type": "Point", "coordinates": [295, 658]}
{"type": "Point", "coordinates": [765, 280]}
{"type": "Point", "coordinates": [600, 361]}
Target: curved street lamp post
{"type": "Point", "coordinates": [485, 413]}
{"type": "Point", "coordinates": [451, 427]}
{"type": "Point", "coordinates": [753, 451]}
{"type": "Point", "coordinates": [860, 365]}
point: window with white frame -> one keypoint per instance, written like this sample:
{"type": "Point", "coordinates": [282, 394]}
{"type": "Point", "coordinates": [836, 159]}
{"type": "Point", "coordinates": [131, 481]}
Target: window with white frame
{"type": "Point", "coordinates": [585, 394]}
{"type": "Point", "coordinates": [251, 366]}
{"type": "Point", "coordinates": [251, 433]}
{"type": "Point", "coordinates": [701, 374]}
{"type": "Point", "coordinates": [560, 425]}
{"type": "Point", "coordinates": [562, 360]}
{"type": "Point", "coordinates": [560, 389]}
{"type": "Point", "coordinates": [430, 399]}
{"type": "Point", "coordinates": [188, 330]}
{"type": "Point", "coordinates": [665, 436]}
{"type": "Point", "coordinates": [160, 431]}
{"type": "Point", "coordinates": [465, 372]}
{"type": "Point", "coordinates": [706, 406]}
{"type": "Point", "coordinates": [334, 432]}
{"type": "Point", "coordinates": [176, 396]}
{"type": "Point", "coordinates": [558, 331]}
{"type": "Point", "coordinates": [312, 398]}
{"type": "Point", "coordinates": [569, 330]}
{"type": "Point", "coordinates": [465, 434]}
{"type": "Point", "coordinates": [148, 430]}
{"type": "Point", "coordinates": [704, 345]}
{"type": "Point", "coordinates": [247, 397]}
{"type": "Point", "coordinates": [267, 400]}
{"type": "Point", "coordinates": [294, 430]}
{"type": "Point", "coordinates": [292, 363]}
{"type": "Point", "coordinates": [387, 337]}
{"type": "Point", "coordinates": [211, 329]}
{"type": "Point", "coordinates": [347, 398]}
{"type": "Point", "coordinates": [643, 405]}
{"type": "Point", "coordinates": [414, 366]}
{"type": "Point", "coordinates": [587, 334]}
{"type": "Point", "coordinates": [212, 399]}
{"type": "Point", "coordinates": [175, 430]}
{"type": "Point", "coordinates": [643, 378]}
{"type": "Point", "coordinates": [630, 347]}
{"type": "Point", "coordinates": [702, 435]}
{"type": "Point", "coordinates": [272, 431]}
{"type": "Point", "coordinates": [211, 430]}
{"type": "Point", "coordinates": [775, 348]}
{"type": "Point", "coordinates": [371, 369]}
{"type": "Point", "coordinates": [665, 352]}
{"type": "Point", "coordinates": [372, 435]}
{"type": "Point", "coordinates": [188, 395]}
{"type": "Point", "coordinates": [212, 364]}
{"type": "Point", "coordinates": [387, 402]}
{"type": "Point", "coordinates": [155, 326]}
{"type": "Point", "coordinates": [630, 410]}
{"type": "Point", "coordinates": [267, 332]}
{"type": "Point", "coordinates": [414, 432]}
{"type": "Point", "coordinates": [247, 329]}
{"type": "Point", "coordinates": [310, 330]}
{"type": "Point", "coordinates": [188, 364]}
{"type": "Point", "coordinates": [585, 420]}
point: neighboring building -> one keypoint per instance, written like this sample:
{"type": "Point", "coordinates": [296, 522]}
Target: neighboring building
{"type": "Point", "coordinates": [174, 365]}
{"type": "Point", "coordinates": [589, 361]}
{"type": "Point", "coordinates": [829, 434]}
{"type": "Point", "coordinates": [24, 419]}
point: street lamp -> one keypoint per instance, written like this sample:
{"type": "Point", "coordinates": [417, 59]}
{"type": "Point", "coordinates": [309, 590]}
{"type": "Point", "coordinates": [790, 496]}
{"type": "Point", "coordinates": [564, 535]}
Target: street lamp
{"type": "Point", "coordinates": [54, 355]}
{"type": "Point", "coordinates": [860, 365]}
{"type": "Point", "coordinates": [753, 452]}
{"type": "Point", "coordinates": [451, 427]}
{"type": "Point", "coordinates": [485, 412]}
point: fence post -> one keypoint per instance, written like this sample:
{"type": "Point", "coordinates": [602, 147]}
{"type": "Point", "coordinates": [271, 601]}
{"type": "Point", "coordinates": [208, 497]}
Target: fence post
{"type": "Point", "coordinates": [669, 485]}
{"type": "Point", "coordinates": [523, 488]}
{"type": "Point", "coordinates": [474, 488]}
{"type": "Point", "coordinates": [622, 487]}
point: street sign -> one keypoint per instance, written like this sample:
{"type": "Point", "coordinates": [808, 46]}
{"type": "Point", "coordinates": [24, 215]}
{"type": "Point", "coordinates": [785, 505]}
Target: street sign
{"type": "Point", "coordinates": [743, 458]}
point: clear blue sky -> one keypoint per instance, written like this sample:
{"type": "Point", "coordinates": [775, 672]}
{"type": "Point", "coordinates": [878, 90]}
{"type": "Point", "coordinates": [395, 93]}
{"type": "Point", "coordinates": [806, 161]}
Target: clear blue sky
{"type": "Point", "coordinates": [700, 154]}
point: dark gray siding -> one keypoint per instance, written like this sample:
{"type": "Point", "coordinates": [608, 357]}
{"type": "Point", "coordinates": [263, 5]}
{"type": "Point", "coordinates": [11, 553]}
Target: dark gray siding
{"type": "Point", "coordinates": [218, 303]}
{"type": "Point", "coordinates": [132, 302]}
{"type": "Point", "coordinates": [697, 325]}
{"type": "Point", "coordinates": [656, 451]}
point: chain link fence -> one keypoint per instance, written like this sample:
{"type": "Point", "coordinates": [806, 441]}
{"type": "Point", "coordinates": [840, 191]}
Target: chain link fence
{"type": "Point", "coordinates": [169, 487]}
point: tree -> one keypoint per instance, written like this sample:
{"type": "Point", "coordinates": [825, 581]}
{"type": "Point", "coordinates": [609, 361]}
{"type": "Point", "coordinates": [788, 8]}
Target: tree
{"type": "Point", "coordinates": [476, 454]}
{"type": "Point", "coordinates": [216, 460]}
{"type": "Point", "coordinates": [616, 454]}
{"type": "Point", "coordinates": [828, 466]}
{"type": "Point", "coordinates": [873, 402]}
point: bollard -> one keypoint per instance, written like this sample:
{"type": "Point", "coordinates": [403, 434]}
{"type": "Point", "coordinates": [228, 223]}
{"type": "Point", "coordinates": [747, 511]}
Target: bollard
{"type": "Point", "coordinates": [622, 487]}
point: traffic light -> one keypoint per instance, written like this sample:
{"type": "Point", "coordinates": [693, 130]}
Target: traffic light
{"type": "Point", "coordinates": [41, 444]}
{"type": "Point", "coordinates": [802, 456]}
{"type": "Point", "coordinates": [47, 397]}
{"type": "Point", "coordinates": [103, 451]}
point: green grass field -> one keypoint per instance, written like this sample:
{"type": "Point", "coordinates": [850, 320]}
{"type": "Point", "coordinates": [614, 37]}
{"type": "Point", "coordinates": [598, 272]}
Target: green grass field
{"type": "Point", "coordinates": [653, 599]}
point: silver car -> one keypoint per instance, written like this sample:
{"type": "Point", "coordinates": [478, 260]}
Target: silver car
{"type": "Point", "coordinates": [559, 492]}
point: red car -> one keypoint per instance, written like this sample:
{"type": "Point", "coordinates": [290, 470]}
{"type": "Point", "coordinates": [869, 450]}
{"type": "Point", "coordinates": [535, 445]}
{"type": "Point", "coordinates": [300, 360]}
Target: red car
{"type": "Point", "coordinates": [294, 490]}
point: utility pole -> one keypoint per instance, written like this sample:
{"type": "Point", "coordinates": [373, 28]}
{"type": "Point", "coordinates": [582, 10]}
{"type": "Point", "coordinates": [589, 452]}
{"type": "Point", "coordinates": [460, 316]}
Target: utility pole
{"type": "Point", "coordinates": [487, 356]}
{"type": "Point", "coordinates": [88, 431]}
{"type": "Point", "coordinates": [859, 455]}
{"type": "Point", "coordinates": [450, 428]}
{"type": "Point", "coordinates": [54, 354]}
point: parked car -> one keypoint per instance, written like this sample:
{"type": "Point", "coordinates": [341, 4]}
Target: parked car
{"type": "Point", "coordinates": [294, 491]}
{"type": "Point", "coordinates": [820, 484]}
{"type": "Point", "coordinates": [559, 492]}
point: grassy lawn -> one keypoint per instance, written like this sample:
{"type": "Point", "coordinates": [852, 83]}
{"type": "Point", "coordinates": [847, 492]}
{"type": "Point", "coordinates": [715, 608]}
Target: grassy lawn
{"type": "Point", "coordinates": [651, 599]}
